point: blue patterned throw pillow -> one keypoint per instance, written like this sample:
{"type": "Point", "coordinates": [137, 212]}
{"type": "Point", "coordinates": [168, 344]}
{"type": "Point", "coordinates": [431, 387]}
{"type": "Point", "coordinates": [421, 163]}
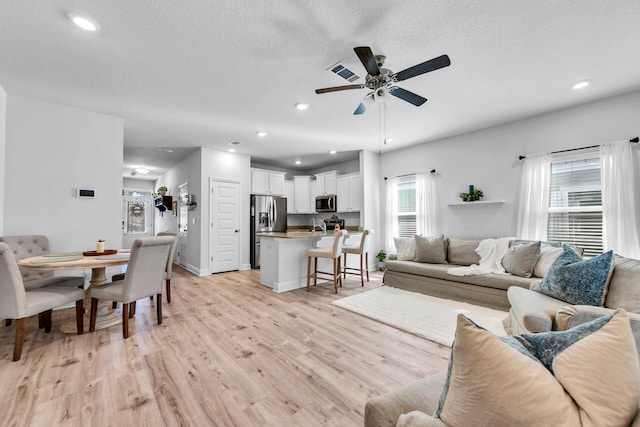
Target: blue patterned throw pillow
{"type": "Point", "coordinates": [578, 281]}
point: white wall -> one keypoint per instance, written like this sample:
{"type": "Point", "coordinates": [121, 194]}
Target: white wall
{"type": "Point", "coordinates": [371, 218]}
{"type": "Point", "coordinates": [197, 169]}
{"type": "Point", "coordinates": [51, 150]}
{"type": "Point", "coordinates": [139, 184]}
{"type": "Point", "coordinates": [488, 159]}
{"type": "Point", "coordinates": [3, 120]}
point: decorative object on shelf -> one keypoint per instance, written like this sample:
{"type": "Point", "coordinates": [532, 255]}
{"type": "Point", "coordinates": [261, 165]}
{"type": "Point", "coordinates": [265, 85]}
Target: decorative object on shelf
{"type": "Point", "coordinates": [162, 191]}
{"type": "Point", "coordinates": [382, 255]}
{"type": "Point", "coordinates": [473, 195]}
{"type": "Point", "coordinates": [100, 246]}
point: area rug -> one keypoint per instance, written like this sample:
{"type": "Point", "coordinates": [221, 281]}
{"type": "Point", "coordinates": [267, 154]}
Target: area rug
{"type": "Point", "coordinates": [423, 315]}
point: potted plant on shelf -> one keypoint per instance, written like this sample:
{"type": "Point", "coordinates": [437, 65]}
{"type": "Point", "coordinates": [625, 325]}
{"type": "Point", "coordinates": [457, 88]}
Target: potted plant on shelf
{"type": "Point", "coordinates": [472, 196]}
{"type": "Point", "coordinates": [162, 190]}
{"type": "Point", "coordinates": [382, 255]}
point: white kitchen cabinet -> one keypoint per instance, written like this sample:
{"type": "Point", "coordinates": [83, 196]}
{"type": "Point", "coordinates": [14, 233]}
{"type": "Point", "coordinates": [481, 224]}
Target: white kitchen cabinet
{"type": "Point", "coordinates": [302, 194]}
{"type": "Point", "coordinates": [267, 182]}
{"type": "Point", "coordinates": [349, 193]}
{"type": "Point", "coordinates": [326, 183]}
{"type": "Point", "coordinates": [289, 193]}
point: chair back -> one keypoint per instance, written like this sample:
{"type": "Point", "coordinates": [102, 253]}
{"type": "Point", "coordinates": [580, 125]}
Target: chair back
{"type": "Point", "coordinates": [172, 251]}
{"type": "Point", "coordinates": [13, 302]}
{"type": "Point", "coordinates": [27, 246]}
{"type": "Point", "coordinates": [147, 267]}
{"type": "Point", "coordinates": [364, 241]}
{"type": "Point", "coordinates": [338, 242]}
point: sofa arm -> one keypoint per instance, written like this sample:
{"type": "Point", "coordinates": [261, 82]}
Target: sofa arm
{"type": "Point", "coordinates": [418, 419]}
{"type": "Point", "coordinates": [573, 315]}
{"type": "Point", "coordinates": [423, 396]}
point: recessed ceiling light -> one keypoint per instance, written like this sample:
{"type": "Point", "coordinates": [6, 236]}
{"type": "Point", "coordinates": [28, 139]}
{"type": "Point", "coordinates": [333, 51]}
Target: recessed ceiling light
{"type": "Point", "coordinates": [232, 150]}
{"type": "Point", "coordinates": [301, 106]}
{"type": "Point", "coordinates": [165, 150]}
{"type": "Point", "coordinates": [582, 84]}
{"type": "Point", "coordinates": [83, 21]}
{"type": "Point", "coordinates": [386, 140]}
{"type": "Point", "coordinates": [261, 133]}
{"type": "Point", "coordinates": [142, 170]}
{"type": "Point", "coordinates": [298, 162]}
{"type": "Point", "coordinates": [332, 152]}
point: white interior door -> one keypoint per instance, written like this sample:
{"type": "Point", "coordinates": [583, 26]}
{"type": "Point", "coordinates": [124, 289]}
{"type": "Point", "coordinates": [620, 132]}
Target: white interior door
{"type": "Point", "coordinates": [225, 226]}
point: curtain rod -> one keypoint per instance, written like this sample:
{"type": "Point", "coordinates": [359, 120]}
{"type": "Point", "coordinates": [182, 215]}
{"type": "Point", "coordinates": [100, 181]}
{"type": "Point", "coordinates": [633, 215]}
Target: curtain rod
{"type": "Point", "coordinates": [635, 140]}
{"type": "Point", "coordinates": [433, 171]}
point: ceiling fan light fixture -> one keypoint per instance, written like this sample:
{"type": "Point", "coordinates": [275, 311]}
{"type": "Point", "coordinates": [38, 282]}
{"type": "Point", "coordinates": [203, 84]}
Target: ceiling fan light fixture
{"type": "Point", "coordinates": [142, 170]}
{"type": "Point", "coordinates": [83, 21]}
{"type": "Point", "coordinates": [381, 94]}
{"type": "Point", "coordinates": [582, 84]}
{"type": "Point", "coordinates": [301, 106]}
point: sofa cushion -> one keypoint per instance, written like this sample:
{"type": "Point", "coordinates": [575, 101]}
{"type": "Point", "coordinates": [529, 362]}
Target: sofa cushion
{"type": "Point", "coordinates": [548, 254]}
{"type": "Point", "coordinates": [463, 251]}
{"type": "Point", "coordinates": [585, 376]}
{"type": "Point", "coordinates": [520, 259]}
{"type": "Point", "coordinates": [578, 281]}
{"type": "Point", "coordinates": [623, 288]}
{"type": "Point", "coordinates": [431, 249]}
{"type": "Point", "coordinates": [439, 271]}
{"type": "Point", "coordinates": [405, 248]}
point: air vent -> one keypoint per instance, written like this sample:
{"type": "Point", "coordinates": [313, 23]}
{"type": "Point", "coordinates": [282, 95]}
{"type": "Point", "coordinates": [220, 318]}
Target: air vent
{"type": "Point", "coordinates": [234, 142]}
{"type": "Point", "coordinates": [343, 72]}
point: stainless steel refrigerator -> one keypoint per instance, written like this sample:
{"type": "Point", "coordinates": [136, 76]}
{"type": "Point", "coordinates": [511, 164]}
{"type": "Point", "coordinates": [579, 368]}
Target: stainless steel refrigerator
{"type": "Point", "coordinates": [268, 213]}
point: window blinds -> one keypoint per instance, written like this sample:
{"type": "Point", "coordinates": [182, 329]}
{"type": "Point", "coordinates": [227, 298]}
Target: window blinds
{"type": "Point", "coordinates": [575, 204]}
{"type": "Point", "coordinates": [407, 206]}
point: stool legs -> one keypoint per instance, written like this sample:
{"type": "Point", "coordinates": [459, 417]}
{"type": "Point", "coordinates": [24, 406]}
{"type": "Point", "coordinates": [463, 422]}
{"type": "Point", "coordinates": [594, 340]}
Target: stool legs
{"type": "Point", "coordinates": [308, 272]}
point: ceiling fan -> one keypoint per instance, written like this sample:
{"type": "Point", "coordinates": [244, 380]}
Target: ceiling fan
{"type": "Point", "coordinates": [381, 80]}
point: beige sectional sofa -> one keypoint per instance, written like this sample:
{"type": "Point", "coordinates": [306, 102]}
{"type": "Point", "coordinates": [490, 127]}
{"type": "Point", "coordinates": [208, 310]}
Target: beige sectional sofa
{"type": "Point", "coordinates": [432, 279]}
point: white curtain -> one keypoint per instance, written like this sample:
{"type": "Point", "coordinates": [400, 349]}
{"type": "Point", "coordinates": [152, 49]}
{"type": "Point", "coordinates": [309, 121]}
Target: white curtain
{"type": "Point", "coordinates": [426, 203]}
{"type": "Point", "coordinates": [619, 226]}
{"type": "Point", "coordinates": [533, 209]}
{"type": "Point", "coordinates": [391, 217]}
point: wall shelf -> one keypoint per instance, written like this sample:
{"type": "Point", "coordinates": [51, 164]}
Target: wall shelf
{"type": "Point", "coordinates": [479, 202]}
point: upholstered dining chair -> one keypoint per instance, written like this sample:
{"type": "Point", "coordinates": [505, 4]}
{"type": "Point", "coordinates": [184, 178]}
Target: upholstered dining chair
{"type": "Point", "coordinates": [335, 253]}
{"type": "Point", "coordinates": [145, 273]}
{"type": "Point", "coordinates": [26, 246]}
{"type": "Point", "coordinates": [168, 270]}
{"type": "Point", "coordinates": [18, 303]}
{"type": "Point", "coordinates": [361, 249]}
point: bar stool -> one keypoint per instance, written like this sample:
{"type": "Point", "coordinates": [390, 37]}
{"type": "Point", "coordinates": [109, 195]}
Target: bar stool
{"type": "Point", "coordinates": [335, 253]}
{"type": "Point", "coordinates": [363, 250]}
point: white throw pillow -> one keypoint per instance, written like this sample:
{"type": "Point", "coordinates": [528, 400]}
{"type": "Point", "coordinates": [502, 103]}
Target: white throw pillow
{"type": "Point", "coordinates": [548, 254]}
{"type": "Point", "coordinates": [406, 248]}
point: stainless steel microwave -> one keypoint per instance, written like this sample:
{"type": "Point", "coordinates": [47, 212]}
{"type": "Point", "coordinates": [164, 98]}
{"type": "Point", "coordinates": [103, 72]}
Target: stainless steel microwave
{"type": "Point", "coordinates": [326, 203]}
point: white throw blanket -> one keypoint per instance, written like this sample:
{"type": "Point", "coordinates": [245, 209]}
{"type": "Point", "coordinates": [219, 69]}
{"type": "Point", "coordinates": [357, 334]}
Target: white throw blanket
{"type": "Point", "coordinates": [491, 252]}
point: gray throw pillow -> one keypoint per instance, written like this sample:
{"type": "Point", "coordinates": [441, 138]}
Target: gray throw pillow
{"type": "Point", "coordinates": [463, 251]}
{"type": "Point", "coordinates": [520, 259]}
{"type": "Point", "coordinates": [405, 248]}
{"type": "Point", "coordinates": [431, 249]}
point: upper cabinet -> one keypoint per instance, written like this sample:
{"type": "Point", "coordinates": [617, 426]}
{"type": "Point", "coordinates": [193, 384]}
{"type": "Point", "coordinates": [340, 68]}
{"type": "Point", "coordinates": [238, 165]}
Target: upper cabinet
{"type": "Point", "coordinates": [289, 193]}
{"type": "Point", "coordinates": [349, 193]}
{"type": "Point", "coordinates": [267, 182]}
{"type": "Point", "coordinates": [302, 192]}
{"type": "Point", "coordinates": [326, 183]}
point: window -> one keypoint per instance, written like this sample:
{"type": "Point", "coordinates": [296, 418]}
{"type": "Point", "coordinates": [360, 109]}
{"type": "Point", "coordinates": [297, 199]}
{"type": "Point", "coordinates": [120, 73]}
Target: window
{"type": "Point", "coordinates": [575, 204]}
{"type": "Point", "coordinates": [407, 206]}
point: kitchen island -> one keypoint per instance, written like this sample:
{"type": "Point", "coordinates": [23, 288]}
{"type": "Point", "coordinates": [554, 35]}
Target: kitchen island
{"type": "Point", "coordinates": [283, 257]}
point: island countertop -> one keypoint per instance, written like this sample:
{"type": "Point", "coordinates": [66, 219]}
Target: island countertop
{"type": "Point", "coordinates": [301, 234]}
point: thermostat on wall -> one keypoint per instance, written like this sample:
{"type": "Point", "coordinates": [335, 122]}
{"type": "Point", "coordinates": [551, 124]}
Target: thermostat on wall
{"type": "Point", "coordinates": [86, 194]}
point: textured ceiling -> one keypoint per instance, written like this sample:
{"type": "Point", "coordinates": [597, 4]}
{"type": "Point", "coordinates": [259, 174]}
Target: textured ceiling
{"type": "Point", "coordinates": [203, 72]}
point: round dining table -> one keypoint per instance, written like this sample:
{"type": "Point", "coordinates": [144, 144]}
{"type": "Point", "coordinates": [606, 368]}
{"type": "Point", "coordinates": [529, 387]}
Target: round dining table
{"type": "Point", "coordinates": [76, 261]}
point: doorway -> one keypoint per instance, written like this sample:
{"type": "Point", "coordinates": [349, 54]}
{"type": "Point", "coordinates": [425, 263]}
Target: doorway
{"type": "Point", "coordinates": [137, 214]}
{"type": "Point", "coordinates": [224, 215]}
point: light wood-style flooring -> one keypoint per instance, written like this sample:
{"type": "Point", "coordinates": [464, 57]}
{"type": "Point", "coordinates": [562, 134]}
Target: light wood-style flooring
{"type": "Point", "coordinates": [230, 352]}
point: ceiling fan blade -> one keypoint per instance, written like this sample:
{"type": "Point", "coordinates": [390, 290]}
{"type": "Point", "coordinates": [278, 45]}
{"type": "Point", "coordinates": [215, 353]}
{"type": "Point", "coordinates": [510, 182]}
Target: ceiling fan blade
{"type": "Point", "coordinates": [427, 66]}
{"type": "Point", "coordinates": [338, 88]}
{"type": "Point", "coordinates": [368, 60]}
{"type": "Point", "coordinates": [367, 101]}
{"type": "Point", "coordinates": [408, 96]}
